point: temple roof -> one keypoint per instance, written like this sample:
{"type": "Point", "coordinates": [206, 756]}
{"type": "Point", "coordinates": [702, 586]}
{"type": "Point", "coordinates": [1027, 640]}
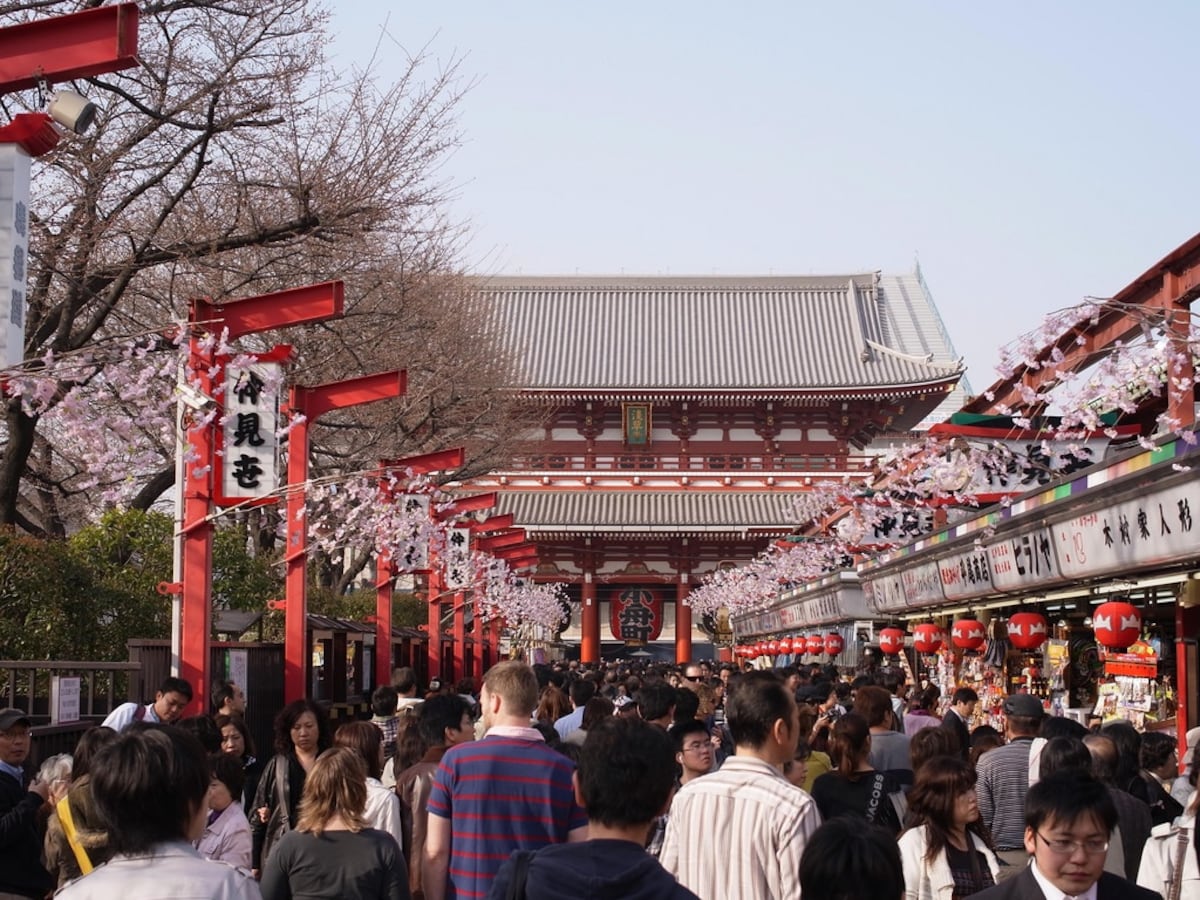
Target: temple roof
{"type": "Point", "coordinates": [729, 334]}
{"type": "Point", "coordinates": [681, 512]}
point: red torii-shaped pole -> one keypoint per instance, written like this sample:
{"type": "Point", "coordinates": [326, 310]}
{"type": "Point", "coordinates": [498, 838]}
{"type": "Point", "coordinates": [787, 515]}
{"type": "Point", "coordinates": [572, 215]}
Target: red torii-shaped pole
{"type": "Point", "coordinates": [438, 461]}
{"type": "Point", "coordinates": [314, 303]}
{"type": "Point", "coordinates": [312, 403]}
{"type": "Point", "coordinates": [481, 659]}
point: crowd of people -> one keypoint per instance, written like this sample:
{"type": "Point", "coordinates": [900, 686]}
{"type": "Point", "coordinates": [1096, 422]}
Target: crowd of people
{"type": "Point", "coordinates": [603, 781]}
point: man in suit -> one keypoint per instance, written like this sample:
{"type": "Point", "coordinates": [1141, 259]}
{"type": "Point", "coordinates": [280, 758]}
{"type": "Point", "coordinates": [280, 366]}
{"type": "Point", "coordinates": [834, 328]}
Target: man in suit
{"type": "Point", "coordinates": [1068, 819]}
{"type": "Point", "coordinates": [962, 707]}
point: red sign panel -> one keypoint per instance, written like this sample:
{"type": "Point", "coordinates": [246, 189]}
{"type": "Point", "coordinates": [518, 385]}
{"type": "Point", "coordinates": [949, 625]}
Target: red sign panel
{"type": "Point", "coordinates": [635, 615]}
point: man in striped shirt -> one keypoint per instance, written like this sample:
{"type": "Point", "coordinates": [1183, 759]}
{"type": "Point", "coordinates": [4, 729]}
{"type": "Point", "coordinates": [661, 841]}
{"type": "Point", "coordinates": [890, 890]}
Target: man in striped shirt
{"type": "Point", "coordinates": [1003, 780]}
{"type": "Point", "coordinates": [740, 831]}
{"type": "Point", "coordinates": [506, 792]}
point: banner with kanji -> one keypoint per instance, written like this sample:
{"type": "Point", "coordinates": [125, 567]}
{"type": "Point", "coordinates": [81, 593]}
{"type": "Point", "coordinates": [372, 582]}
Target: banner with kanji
{"type": "Point", "coordinates": [247, 460]}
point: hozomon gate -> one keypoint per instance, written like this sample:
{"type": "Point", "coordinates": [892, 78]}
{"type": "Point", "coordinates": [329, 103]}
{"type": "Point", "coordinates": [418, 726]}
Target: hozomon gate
{"type": "Point", "coordinates": [686, 415]}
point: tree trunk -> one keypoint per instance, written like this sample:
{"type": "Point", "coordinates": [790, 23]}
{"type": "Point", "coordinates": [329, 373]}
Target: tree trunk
{"type": "Point", "coordinates": [21, 430]}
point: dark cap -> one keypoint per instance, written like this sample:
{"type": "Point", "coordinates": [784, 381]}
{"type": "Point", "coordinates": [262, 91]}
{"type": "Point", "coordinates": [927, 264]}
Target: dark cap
{"type": "Point", "coordinates": [1023, 705]}
{"type": "Point", "coordinates": [10, 717]}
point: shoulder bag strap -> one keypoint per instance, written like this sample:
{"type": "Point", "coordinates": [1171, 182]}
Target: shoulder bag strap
{"type": "Point", "coordinates": [1181, 848]}
{"type": "Point", "coordinates": [68, 826]}
{"type": "Point", "coordinates": [876, 795]}
{"type": "Point", "coordinates": [516, 887]}
{"type": "Point", "coordinates": [283, 789]}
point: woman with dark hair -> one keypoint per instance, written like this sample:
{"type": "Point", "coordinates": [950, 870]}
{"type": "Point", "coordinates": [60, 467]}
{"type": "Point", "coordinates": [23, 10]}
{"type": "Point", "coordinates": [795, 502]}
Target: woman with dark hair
{"type": "Point", "coordinates": [552, 705]}
{"type": "Point", "coordinates": [236, 742]}
{"type": "Point", "coordinates": [301, 735]}
{"type": "Point", "coordinates": [842, 860]}
{"type": "Point", "coordinates": [922, 709]}
{"type": "Point", "coordinates": [332, 853]}
{"type": "Point", "coordinates": [151, 786]}
{"type": "Point", "coordinates": [929, 743]}
{"type": "Point", "coordinates": [1159, 870]}
{"type": "Point", "coordinates": [382, 810]}
{"type": "Point", "coordinates": [64, 855]}
{"type": "Point", "coordinates": [226, 836]}
{"type": "Point", "coordinates": [946, 851]}
{"type": "Point", "coordinates": [854, 787]}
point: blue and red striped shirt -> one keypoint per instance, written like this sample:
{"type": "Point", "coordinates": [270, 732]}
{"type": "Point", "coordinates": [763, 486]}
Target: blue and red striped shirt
{"type": "Point", "coordinates": [501, 794]}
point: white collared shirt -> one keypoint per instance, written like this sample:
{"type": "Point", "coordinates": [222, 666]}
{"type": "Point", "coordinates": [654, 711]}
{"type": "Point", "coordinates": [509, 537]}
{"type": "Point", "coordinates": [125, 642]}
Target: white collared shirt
{"type": "Point", "coordinates": [1053, 893]}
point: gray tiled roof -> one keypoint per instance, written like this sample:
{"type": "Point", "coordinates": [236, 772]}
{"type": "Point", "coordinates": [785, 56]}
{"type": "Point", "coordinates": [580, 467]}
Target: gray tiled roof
{"type": "Point", "coordinates": [641, 511]}
{"type": "Point", "coordinates": [696, 333]}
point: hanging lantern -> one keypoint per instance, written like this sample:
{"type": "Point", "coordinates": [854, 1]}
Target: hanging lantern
{"type": "Point", "coordinates": [1027, 630]}
{"type": "Point", "coordinates": [785, 645]}
{"type": "Point", "coordinates": [752, 652]}
{"type": "Point", "coordinates": [834, 644]}
{"type": "Point", "coordinates": [927, 638]}
{"type": "Point", "coordinates": [1117, 624]}
{"type": "Point", "coordinates": [815, 644]}
{"type": "Point", "coordinates": [891, 641]}
{"type": "Point", "coordinates": [773, 648]}
{"type": "Point", "coordinates": [968, 634]}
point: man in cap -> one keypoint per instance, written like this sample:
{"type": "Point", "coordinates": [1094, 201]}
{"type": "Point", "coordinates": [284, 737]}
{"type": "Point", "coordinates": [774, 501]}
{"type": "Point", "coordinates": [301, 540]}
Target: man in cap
{"type": "Point", "coordinates": [1003, 780]}
{"type": "Point", "coordinates": [21, 870]}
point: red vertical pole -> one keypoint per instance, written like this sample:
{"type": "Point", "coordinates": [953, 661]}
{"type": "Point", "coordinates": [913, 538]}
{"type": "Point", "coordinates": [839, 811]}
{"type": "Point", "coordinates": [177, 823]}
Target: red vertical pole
{"type": "Point", "coordinates": [1187, 623]}
{"type": "Point", "coordinates": [477, 634]}
{"type": "Point", "coordinates": [196, 598]}
{"type": "Point", "coordinates": [589, 626]}
{"type": "Point", "coordinates": [435, 618]}
{"type": "Point", "coordinates": [683, 620]}
{"type": "Point", "coordinates": [383, 618]}
{"type": "Point", "coordinates": [296, 559]}
{"type": "Point", "coordinates": [460, 637]}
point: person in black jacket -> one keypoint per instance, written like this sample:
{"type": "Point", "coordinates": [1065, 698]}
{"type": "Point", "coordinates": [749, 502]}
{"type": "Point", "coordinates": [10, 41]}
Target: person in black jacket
{"type": "Point", "coordinates": [625, 777]}
{"type": "Point", "coordinates": [21, 870]}
{"type": "Point", "coordinates": [1068, 819]}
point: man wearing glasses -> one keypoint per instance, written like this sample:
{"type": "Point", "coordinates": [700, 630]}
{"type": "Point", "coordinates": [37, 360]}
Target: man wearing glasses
{"type": "Point", "coordinates": [1068, 819]}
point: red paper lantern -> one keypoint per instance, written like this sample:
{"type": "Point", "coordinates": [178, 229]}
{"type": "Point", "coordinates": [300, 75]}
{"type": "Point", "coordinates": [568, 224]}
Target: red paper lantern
{"type": "Point", "coordinates": [752, 652]}
{"type": "Point", "coordinates": [891, 641]}
{"type": "Point", "coordinates": [1027, 630]}
{"type": "Point", "coordinates": [635, 615]}
{"type": "Point", "coordinates": [834, 644]}
{"type": "Point", "coordinates": [773, 648]}
{"type": "Point", "coordinates": [815, 644]}
{"type": "Point", "coordinates": [968, 634]}
{"type": "Point", "coordinates": [785, 645]}
{"type": "Point", "coordinates": [1117, 624]}
{"type": "Point", "coordinates": [928, 638]}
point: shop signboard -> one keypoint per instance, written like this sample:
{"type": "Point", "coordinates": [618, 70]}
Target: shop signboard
{"type": "Point", "coordinates": [965, 576]}
{"type": "Point", "coordinates": [1153, 528]}
{"type": "Point", "coordinates": [885, 593]}
{"type": "Point", "coordinates": [922, 585]}
{"type": "Point", "coordinates": [1025, 560]}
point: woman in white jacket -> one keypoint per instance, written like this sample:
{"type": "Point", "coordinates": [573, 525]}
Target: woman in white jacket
{"type": "Point", "coordinates": [946, 850]}
{"type": "Point", "coordinates": [1168, 843]}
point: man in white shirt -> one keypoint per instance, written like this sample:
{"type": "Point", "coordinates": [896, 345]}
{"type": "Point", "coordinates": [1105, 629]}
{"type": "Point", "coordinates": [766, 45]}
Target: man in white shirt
{"type": "Point", "coordinates": [169, 703]}
{"type": "Point", "coordinates": [740, 831]}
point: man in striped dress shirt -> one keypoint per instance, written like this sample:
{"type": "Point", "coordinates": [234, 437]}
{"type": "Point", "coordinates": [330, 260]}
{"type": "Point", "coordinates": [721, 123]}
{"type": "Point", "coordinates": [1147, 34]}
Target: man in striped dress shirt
{"type": "Point", "coordinates": [740, 831]}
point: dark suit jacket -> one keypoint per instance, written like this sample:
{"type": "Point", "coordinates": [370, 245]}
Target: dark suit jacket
{"type": "Point", "coordinates": [1025, 887]}
{"type": "Point", "coordinates": [953, 722]}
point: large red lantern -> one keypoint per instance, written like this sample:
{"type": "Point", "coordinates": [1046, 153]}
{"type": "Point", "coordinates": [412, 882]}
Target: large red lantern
{"type": "Point", "coordinates": [785, 645]}
{"type": "Point", "coordinates": [1027, 630]}
{"type": "Point", "coordinates": [968, 634]}
{"type": "Point", "coordinates": [815, 644]}
{"type": "Point", "coordinates": [891, 641]}
{"type": "Point", "coordinates": [752, 652]}
{"type": "Point", "coordinates": [927, 638]}
{"type": "Point", "coordinates": [1117, 624]}
{"type": "Point", "coordinates": [773, 648]}
{"type": "Point", "coordinates": [636, 615]}
{"type": "Point", "coordinates": [834, 644]}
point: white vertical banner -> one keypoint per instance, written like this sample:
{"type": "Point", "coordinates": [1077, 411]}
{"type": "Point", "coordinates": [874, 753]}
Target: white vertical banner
{"type": "Point", "coordinates": [239, 668]}
{"type": "Point", "coordinates": [249, 458]}
{"type": "Point", "coordinates": [457, 560]}
{"type": "Point", "coordinates": [413, 555]}
{"type": "Point", "coordinates": [14, 251]}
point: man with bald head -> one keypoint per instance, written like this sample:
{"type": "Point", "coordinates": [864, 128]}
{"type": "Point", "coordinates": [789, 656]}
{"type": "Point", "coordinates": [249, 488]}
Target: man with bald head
{"type": "Point", "coordinates": [1133, 815]}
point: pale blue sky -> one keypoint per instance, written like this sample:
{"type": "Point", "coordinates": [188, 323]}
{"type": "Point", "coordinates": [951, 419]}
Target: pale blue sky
{"type": "Point", "coordinates": [1029, 153]}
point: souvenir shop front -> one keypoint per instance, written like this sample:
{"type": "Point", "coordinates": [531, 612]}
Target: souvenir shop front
{"type": "Point", "coordinates": [1084, 594]}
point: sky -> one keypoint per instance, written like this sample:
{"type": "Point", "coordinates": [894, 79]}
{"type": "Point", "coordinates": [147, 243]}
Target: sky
{"type": "Point", "coordinates": [1027, 154]}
